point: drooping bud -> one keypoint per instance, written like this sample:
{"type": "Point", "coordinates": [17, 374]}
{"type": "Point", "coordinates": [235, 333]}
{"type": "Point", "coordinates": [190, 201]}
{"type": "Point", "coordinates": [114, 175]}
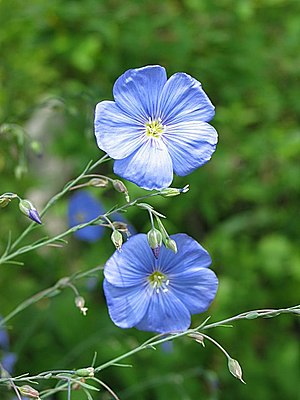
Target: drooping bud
{"type": "Point", "coordinates": [198, 338]}
{"type": "Point", "coordinates": [155, 240]}
{"type": "Point", "coordinates": [162, 230]}
{"type": "Point", "coordinates": [171, 244]}
{"type": "Point", "coordinates": [117, 239]}
{"type": "Point", "coordinates": [4, 201]}
{"type": "Point", "coordinates": [29, 391]}
{"type": "Point", "coordinates": [121, 188]}
{"type": "Point", "coordinates": [170, 192]}
{"type": "Point", "coordinates": [85, 372]}
{"type": "Point", "coordinates": [235, 369]}
{"type": "Point", "coordinates": [80, 302]}
{"type": "Point", "coordinates": [29, 210]}
{"type": "Point", "coordinates": [98, 182]}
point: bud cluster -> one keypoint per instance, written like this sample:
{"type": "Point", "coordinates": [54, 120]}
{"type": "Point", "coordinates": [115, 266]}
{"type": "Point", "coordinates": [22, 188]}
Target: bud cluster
{"type": "Point", "coordinates": [25, 206]}
{"type": "Point", "coordinates": [158, 236]}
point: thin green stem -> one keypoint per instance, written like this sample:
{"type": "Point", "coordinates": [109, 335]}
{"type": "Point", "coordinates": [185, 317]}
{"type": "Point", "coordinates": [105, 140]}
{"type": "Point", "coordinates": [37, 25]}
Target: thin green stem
{"type": "Point", "coordinates": [255, 314]}
{"type": "Point", "coordinates": [62, 283]}
{"type": "Point", "coordinates": [55, 198]}
{"type": "Point", "coordinates": [149, 344]}
{"type": "Point", "coordinates": [216, 344]}
{"type": "Point", "coordinates": [54, 239]}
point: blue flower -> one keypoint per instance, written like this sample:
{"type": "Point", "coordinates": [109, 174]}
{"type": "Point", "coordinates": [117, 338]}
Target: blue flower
{"type": "Point", "coordinates": [8, 359]}
{"type": "Point", "coordinates": [156, 126]}
{"type": "Point", "coordinates": [158, 295]}
{"type": "Point", "coordinates": [83, 207]}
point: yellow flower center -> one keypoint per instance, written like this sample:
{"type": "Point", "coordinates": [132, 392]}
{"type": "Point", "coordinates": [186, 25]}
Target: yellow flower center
{"type": "Point", "coordinates": [159, 281]}
{"type": "Point", "coordinates": [154, 128]}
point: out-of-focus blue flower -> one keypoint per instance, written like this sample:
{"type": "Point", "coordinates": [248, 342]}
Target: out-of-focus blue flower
{"type": "Point", "coordinates": [158, 295]}
{"type": "Point", "coordinates": [83, 207]}
{"type": "Point", "coordinates": [7, 359]}
{"type": "Point", "coordinates": [156, 126]}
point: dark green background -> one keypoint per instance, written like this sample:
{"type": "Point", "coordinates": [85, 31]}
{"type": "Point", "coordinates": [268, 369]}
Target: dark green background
{"type": "Point", "coordinates": [58, 59]}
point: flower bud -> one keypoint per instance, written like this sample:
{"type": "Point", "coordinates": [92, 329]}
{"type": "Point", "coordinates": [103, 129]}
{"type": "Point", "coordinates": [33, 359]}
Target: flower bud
{"type": "Point", "coordinates": [171, 244]}
{"type": "Point", "coordinates": [162, 230]}
{"type": "Point", "coordinates": [170, 192]}
{"type": "Point", "coordinates": [117, 239]}
{"type": "Point", "coordinates": [198, 338]}
{"type": "Point", "coordinates": [29, 391]}
{"type": "Point", "coordinates": [235, 369]}
{"type": "Point", "coordinates": [252, 315]}
{"type": "Point", "coordinates": [4, 201]}
{"type": "Point", "coordinates": [85, 372]}
{"type": "Point", "coordinates": [121, 188]}
{"type": "Point", "coordinates": [155, 240]}
{"type": "Point", "coordinates": [29, 210]}
{"type": "Point", "coordinates": [80, 302]}
{"type": "Point", "coordinates": [98, 182]}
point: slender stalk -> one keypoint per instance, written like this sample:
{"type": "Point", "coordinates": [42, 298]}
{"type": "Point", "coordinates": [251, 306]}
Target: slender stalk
{"type": "Point", "coordinates": [216, 344]}
{"type": "Point", "coordinates": [55, 198]}
{"type": "Point", "coordinates": [65, 282]}
{"type": "Point", "coordinates": [54, 239]}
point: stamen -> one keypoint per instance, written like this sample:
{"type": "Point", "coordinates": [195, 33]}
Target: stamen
{"type": "Point", "coordinates": [154, 128]}
{"type": "Point", "coordinates": [159, 281]}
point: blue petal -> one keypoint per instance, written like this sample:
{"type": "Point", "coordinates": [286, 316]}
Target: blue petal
{"type": "Point", "coordinates": [8, 361]}
{"type": "Point", "coordinates": [137, 91]}
{"type": "Point", "coordinates": [117, 133]}
{"type": "Point", "coordinates": [83, 207]}
{"type": "Point", "coordinates": [190, 257]}
{"type": "Point", "coordinates": [190, 279]}
{"type": "Point", "coordinates": [126, 306]}
{"type": "Point", "coordinates": [4, 338]}
{"type": "Point", "coordinates": [183, 99]}
{"type": "Point", "coordinates": [165, 314]}
{"type": "Point", "coordinates": [191, 144]}
{"type": "Point", "coordinates": [149, 167]}
{"type": "Point", "coordinates": [202, 287]}
{"type": "Point", "coordinates": [132, 265]}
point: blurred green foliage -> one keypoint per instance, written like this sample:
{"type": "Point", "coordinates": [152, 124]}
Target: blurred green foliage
{"type": "Point", "coordinates": [59, 58]}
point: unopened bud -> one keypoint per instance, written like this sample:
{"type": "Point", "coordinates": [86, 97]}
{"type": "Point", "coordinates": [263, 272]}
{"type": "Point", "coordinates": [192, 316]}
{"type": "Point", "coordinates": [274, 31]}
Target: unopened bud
{"type": "Point", "coordinates": [120, 187]}
{"type": "Point", "coordinates": [29, 210]}
{"type": "Point", "coordinates": [198, 338]}
{"type": "Point", "coordinates": [29, 391]}
{"type": "Point", "coordinates": [4, 201]}
{"type": "Point", "coordinates": [252, 315]}
{"type": "Point", "coordinates": [98, 182]}
{"type": "Point", "coordinates": [155, 240]}
{"type": "Point", "coordinates": [117, 239]}
{"type": "Point", "coordinates": [162, 230]}
{"type": "Point", "coordinates": [235, 369]}
{"type": "Point", "coordinates": [170, 192]}
{"type": "Point", "coordinates": [85, 372]}
{"type": "Point", "coordinates": [171, 244]}
{"type": "Point", "coordinates": [80, 302]}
